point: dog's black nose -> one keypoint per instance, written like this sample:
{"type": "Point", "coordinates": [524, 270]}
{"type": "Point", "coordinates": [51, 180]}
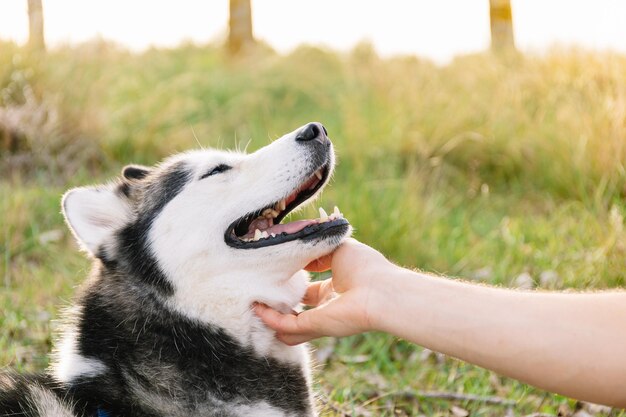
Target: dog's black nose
{"type": "Point", "coordinates": [313, 131]}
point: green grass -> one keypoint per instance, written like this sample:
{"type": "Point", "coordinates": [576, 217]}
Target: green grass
{"type": "Point", "coordinates": [483, 169]}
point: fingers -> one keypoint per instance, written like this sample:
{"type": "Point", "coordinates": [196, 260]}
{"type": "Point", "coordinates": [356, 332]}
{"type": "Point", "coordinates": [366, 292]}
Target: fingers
{"type": "Point", "coordinates": [295, 338]}
{"type": "Point", "coordinates": [290, 329]}
{"type": "Point", "coordinates": [321, 264]}
{"type": "Point", "coordinates": [318, 292]}
{"type": "Point", "coordinates": [275, 320]}
{"type": "Point", "coordinates": [293, 329]}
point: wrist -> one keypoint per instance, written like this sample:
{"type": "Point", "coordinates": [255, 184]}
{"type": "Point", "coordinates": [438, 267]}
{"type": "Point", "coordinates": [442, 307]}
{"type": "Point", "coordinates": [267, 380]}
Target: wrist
{"type": "Point", "coordinates": [387, 286]}
{"type": "Point", "coordinates": [405, 302]}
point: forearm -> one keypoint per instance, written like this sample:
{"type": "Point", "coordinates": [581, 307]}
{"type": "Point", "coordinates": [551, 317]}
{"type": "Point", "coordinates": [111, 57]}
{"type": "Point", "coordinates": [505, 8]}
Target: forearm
{"type": "Point", "coordinates": [573, 344]}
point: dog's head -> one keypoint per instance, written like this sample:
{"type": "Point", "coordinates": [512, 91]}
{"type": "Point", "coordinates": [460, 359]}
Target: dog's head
{"type": "Point", "coordinates": [208, 213]}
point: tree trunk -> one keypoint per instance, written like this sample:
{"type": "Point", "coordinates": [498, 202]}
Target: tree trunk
{"type": "Point", "coordinates": [501, 19]}
{"type": "Point", "coordinates": [35, 20]}
{"type": "Point", "coordinates": [240, 35]}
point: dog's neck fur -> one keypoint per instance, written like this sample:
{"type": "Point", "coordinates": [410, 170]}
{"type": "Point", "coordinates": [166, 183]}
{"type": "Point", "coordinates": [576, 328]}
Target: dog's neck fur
{"type": "Point", "coordinates": [226, 301]}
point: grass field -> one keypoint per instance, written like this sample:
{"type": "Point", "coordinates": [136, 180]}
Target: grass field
{"type": "Point", "coordinates": [486, 169]}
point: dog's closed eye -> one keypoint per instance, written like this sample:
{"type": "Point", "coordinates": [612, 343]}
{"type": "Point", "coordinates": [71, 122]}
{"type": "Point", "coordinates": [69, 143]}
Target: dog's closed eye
{"type": "Point", "coordinates": [216, 170]}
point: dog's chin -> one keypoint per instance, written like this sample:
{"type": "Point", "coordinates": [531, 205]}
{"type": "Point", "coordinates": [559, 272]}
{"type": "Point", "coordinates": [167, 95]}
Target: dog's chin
{"type": "Point", "coordinates": [321, 245]}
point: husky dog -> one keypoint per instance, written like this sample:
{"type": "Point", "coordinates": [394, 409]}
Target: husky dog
{"type": "Point", "coordinates": [164, 325]}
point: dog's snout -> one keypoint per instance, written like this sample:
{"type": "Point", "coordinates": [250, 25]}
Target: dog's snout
{"type": "Point", "coordinates": [313, 131]}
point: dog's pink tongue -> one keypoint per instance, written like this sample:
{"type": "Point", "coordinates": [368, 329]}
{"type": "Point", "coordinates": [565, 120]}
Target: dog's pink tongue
{"type": "Point", "coordinates": [289, 228]}
{"type": "Point", "coordinates": [264, 225]}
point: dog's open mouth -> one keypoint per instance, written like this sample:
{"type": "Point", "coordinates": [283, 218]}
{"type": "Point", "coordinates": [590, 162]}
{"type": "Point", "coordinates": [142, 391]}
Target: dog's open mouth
{"type": "Point", "coordinates": [262, 227]}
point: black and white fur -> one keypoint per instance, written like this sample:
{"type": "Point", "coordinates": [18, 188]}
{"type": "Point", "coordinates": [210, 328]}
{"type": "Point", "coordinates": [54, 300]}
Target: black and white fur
{"type": "Point", "coordinates": [164, 325]}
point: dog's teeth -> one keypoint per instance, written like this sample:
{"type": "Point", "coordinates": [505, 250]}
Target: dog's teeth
{"type": "Point", "coordinates": [264, 234]}
{"type": "Point", "coordinates": [318, 174]}
{"type": "Point", "coordinates": [267, 213]}
{"type": "Point", "coordinates": [257, 234]}
{"type": "Point", "coordinates": [275, 213]}
{"type": "Point", "coordinates": [280, 206]}
{"type": "Point", "coordinates": [323, 214]}
{"type": "Point", "coordinates": [273, 234]}
{"type": "Point", "coordinates": [337, 213]}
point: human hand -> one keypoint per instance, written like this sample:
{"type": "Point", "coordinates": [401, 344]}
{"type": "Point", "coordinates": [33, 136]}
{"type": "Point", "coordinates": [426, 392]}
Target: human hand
{"type": "Point", "coordinates": [346, 304]}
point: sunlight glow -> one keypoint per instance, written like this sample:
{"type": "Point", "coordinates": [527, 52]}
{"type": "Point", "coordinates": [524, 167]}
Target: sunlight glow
{"type": "Point", "coordinates": [435, 29]}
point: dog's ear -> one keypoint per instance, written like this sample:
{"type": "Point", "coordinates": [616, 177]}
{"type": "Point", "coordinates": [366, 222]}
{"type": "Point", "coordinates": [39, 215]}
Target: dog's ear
{"type": "Point", "coordinates": [94, 214]}
{"type": "Point", "coordinates": [135, 172]}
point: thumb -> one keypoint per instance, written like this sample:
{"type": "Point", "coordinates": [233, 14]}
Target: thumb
{"type": "Point", "coordinates": [291, 329]}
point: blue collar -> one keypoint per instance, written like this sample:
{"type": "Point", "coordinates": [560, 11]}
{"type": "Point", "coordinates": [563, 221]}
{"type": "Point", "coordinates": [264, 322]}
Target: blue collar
{"type": "Point", "coordinates": [101, 413]}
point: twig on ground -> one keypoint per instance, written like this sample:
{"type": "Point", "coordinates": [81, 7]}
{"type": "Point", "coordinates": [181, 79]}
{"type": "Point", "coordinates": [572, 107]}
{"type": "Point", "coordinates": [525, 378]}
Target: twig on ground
{"type": "Point", "coordinates": [443, 395]}
{"type": "Point", "coordinates": [417, 395]}
{"type": "Point", "coordinates": [540, 415]}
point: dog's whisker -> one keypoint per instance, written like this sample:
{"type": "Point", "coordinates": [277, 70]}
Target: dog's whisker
{"type": "Point", "coordinates": [196, 137]}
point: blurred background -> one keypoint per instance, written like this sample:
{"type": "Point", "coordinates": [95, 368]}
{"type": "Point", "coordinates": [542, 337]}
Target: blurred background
{"type": "Point", "coordinates": [481, 139]}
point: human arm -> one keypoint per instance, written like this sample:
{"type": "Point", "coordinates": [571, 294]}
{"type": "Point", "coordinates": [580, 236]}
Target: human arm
{"type": "Point", "coordinates": [570, 343]}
